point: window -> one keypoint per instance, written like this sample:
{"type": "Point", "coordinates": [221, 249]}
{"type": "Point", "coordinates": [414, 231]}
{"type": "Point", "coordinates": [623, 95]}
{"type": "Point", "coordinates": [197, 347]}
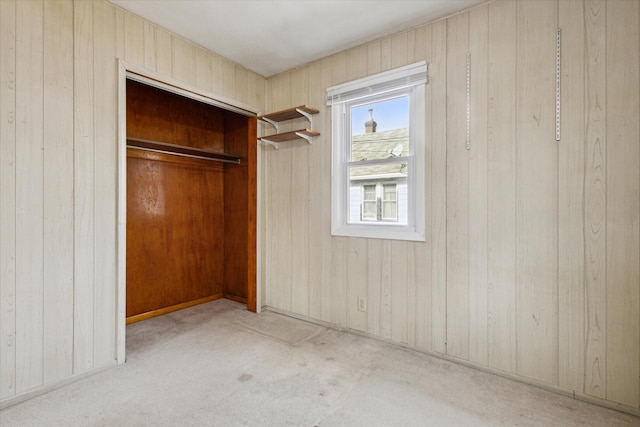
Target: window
{"type": "Point", "coordinates": [378, 143]}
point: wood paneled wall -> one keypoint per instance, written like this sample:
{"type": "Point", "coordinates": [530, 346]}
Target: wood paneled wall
{"type": "Point", "coordinates": [531, 264]}
{"type": "Point", "coordinates": [58, 175]}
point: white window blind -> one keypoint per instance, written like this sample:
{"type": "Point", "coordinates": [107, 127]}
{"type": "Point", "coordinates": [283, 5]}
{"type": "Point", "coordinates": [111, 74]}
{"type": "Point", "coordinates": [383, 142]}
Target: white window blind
{"type": "Point", "coordinates": [407, 76]}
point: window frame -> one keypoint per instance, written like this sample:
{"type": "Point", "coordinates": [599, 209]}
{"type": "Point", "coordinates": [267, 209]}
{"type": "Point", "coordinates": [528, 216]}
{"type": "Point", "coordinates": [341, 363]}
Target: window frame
{"type": "Point", "coordinates": [411, 80]}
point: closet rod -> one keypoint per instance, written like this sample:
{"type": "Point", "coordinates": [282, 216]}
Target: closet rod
{"type": "Point", "coordinates": [179, 150]}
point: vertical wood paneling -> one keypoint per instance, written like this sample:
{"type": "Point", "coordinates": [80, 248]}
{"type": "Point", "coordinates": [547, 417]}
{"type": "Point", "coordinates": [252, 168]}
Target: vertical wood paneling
{"type": "Point", "coordinates": [299, 200]}
{"type": "Point", "coordinates": [279, 170]}
{"type": "Point", "coordinates": [229, 79]}
{"type": "Point", "coordinates": [339, 244]}
{"type": "Point", "coordinates": [84, 193]}
{"type": "Point", "coordinates": [357, 269]}
{"type": "Point", "coordinates": [29, 200]}
{"type": "Point", "coordinates": [595, 199]}
{"type": "Point", "coordinates": [457, 189]}
{"type": "Point", "coordinates": [319, 223]}
{"type": "Point", "coordinates": [623, 202]}
{"type": "Point", "coordinates": [386, 280]}
{"type": "Point", "coordinates": [134, 39]}
{"type": "Point", "coordinates": [105, 146]}
{"type": "Point", "coordinates": [57, 178]}
{"type": "Point", "coordinates": [536, 193]}
{"type": "Point", "coordinates": [399, 293]}
{"type": "Point", "coordinates": [501, 269]}
{"type": "Point", "coordinates": [478, 40]}
{"type": "Point", "coordinates": [150, 55]}
{"type": "Point", "coordinates": [412, 309]}
{"type": "Point", "coordinates": [438, 138]}
{"type": "Point", "coordinates": [58, 194]}
{"type": "Point", "coordinates": [8, 199]}
{"type": "Point", "coordinates": [571, 162]}
{"type": "Point", "coordinates": [374, 286]}
{"type": "Point", "coordinates": [164, 53]}
{"type": "Point", "coordinates": [241, 80]}
{"type": "Point", "coordinates": [374, 246]}
{"type": "Point", "coordinates": [357, 260]}
{"type": "Point", "coordinates": [204, 74]}
{"type": "Point", "coordinates": [183, 65]}
{"type": "Point", "coordinates": [575, 321]}
{"type": "Point", "coordinates": [422, 252]}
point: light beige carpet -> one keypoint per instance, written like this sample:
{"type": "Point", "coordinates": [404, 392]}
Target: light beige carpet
{"type": "Point", "coordinates": [218, 365]}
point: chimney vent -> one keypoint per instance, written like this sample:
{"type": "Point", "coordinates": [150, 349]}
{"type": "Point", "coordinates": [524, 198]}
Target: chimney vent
{"type": "Point", "coordinates": [370, 125]}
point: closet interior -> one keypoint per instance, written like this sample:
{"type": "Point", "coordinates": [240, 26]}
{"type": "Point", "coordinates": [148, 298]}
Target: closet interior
{"type": "Point", "coordinates": [191, 203]}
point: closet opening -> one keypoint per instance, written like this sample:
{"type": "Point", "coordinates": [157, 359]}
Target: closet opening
{"type": "Point", "coordinates": [190, 202]}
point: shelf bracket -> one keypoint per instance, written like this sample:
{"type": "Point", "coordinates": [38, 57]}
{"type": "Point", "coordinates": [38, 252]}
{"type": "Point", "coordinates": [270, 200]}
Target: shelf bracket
{"type": "Point", "coordinates": [307, 115]}
{"type": "Point", "coordinates": [307, 137]}
{"type": "Point", "coordinates": [271, 122]}
{"type": "Point", "coordinates": [272, 143]}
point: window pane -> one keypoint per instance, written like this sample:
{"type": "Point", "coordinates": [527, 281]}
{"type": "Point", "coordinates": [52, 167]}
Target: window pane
{"type": "Point", "coordinates": [369, 192]}
{"type": "Point", "coordinates": [389, 211]}
{"type": "Point", "coordinates": [369, 203]}
{"type": "Point", "coordinates": [389, 192]}
{"type": "Point", "coordinates": [389, 207]}
{"type": "Point", "coordinates": [380, 130]}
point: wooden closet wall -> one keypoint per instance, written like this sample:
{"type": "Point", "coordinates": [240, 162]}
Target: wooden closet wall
{"type": "Point", "coordinates": [190, 222]}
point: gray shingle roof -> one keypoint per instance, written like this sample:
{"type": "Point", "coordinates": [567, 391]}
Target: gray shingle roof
{"type": "Point", "coordinates": [379, 145]}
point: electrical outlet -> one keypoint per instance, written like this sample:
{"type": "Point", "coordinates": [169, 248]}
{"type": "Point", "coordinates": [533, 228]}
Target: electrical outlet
{"type": "Point", "coordinates": [362, 304]}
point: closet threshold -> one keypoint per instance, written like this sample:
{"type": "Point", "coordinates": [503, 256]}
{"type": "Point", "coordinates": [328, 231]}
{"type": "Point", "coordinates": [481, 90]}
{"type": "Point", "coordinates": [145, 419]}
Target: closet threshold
{"type": "Point", "coordinates": [180, 150]}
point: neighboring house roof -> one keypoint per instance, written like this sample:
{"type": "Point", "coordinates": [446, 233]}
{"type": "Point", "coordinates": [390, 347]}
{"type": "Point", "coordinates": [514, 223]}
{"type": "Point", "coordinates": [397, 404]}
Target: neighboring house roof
{"type": "Point", "coordinates": [380, 145]}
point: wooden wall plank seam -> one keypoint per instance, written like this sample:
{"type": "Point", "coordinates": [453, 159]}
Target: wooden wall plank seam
{"type": "Point", "coordinates": [58, 190]}
{"type": "Point", "coordinates": [457, 195]}
{"type": "Point", "coordinates": [438, 82]}
{"type": "Point", "coordinates": [571, 197]}
{"type": "Point", "coordinates": [623, 202]}
{"type": "Point", "coordinates": [536, 192]}
{"type": "Point", "coordinates": [299, 196]}
{"type": "Point", "coordinates": [8, 197]}
{"type": "Point", "coordinates": [501, 114]}
{"type": "Point", "coordinates": [595, 184]}
{"type": "Point", "coordinates": [399, 293]}
{"type": "Point", "coordinates": [84, 191]}
{"type": "Point", "coordinates": [478, 190]}
{"type": "Point", "coordinates": [422, 252]}
{"type": "Point", "coordinates": [105, 186]}
{"type": "Point", "coordinates": [29, 200]}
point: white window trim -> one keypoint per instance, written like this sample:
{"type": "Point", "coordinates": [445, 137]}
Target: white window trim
{"type": "Point", "coordinates": [412, 76]}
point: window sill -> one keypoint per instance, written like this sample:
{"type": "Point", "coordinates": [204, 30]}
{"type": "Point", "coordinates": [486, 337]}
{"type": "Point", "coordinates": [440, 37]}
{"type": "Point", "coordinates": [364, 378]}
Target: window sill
{"type": "Point", "coordinates": [389, 232]}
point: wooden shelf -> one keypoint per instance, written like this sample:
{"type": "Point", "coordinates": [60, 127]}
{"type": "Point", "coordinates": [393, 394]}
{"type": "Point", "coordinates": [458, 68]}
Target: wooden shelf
{"type": "Point", "coordinates": [289, 114]}
{"type": "Point", "coordinates": [180, 150]}
{"type": "Point", "coordinates": [277, 138]}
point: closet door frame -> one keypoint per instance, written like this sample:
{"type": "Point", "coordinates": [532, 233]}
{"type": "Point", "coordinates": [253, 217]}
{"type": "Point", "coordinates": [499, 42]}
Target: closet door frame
{"type": "Point", "coordinates": [130, 71]}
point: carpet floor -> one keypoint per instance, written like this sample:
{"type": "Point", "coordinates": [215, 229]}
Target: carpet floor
{"type": "Point", "coordinates": [217, 364]}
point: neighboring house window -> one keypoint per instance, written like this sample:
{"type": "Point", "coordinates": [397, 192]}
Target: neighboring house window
{"type": "Point", "coordinates": [379, 202]}
{"type": "Point", "coordinates": [378, 145]}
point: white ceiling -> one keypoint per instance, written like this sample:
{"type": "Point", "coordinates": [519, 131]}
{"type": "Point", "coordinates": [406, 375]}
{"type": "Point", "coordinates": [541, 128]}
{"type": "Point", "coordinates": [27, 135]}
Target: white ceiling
{"type": "Point", "coordinates": [269, 36]}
